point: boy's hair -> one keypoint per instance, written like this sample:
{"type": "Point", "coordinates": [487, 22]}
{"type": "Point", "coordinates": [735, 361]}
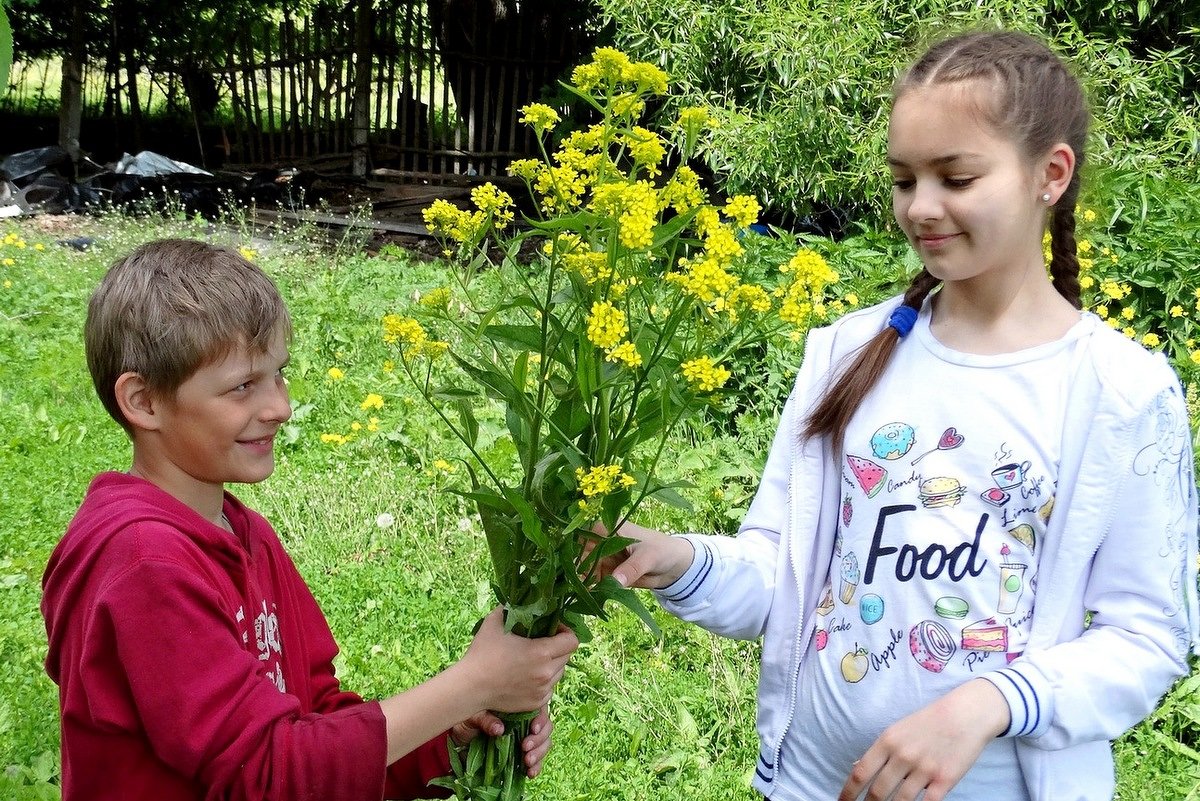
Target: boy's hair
{"type": "Point", "coordinates": [1029, 96]}
{"type": "Point", "coordinates": [169, 308]}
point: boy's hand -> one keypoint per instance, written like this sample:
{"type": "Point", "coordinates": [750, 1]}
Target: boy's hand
{"type": "Point", "coordinates": [931, 749]}
{"type": "Point", "coordinates": [513, 673]}
{"type": "Point", "coordinates": [535, 746]}
{"type": "Point", "coordinates": [654, 561]}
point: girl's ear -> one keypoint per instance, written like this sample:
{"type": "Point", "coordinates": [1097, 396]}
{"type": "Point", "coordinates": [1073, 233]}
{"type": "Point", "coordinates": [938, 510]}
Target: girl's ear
{"type": "Point", "coordinates": [137, 402]}
{"type": "Point", "coordinates": [1058, 166]}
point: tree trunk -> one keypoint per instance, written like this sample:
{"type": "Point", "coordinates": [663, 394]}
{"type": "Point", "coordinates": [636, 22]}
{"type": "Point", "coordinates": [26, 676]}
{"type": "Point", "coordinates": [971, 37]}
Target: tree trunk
{"type": "Point", "coordinates": [70, 114]}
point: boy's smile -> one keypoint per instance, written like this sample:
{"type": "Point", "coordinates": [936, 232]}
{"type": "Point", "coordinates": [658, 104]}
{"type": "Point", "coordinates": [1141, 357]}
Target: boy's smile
{"type": "Point", "coordinates": [218, 427]}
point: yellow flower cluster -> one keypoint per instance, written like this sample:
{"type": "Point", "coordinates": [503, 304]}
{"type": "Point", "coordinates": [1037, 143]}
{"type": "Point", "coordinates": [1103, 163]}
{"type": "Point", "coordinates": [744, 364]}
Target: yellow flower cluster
{"type": "Point", "coordinates": [703, 278]}
{"type": "Point", "coordinates": [606, 325]}
{"type": "Point", "coordinates": [694, 120]}
{"type": "Point", "coordinates": [683, 192]}
{"type": "Point", "coordinates": [411, 336]}
{"type": "Point", "coordinates": [602, 480]}
{"type": "Point", "coordinates": [372, 401]}
{"type": "Point", "coordinates": [704, 375]}
{"type": "Point", "coordinates": [490, 200]}
{"type": "Point", "coordinates": [539, 116]}
{"type": "Point", "coordinates": [743, 210]}
{"type": "Point", "coordinates": [626, 353]}
{"type": "Point", "coordinates": [438, 298]}
{"type": "Point", "coordinates": [645, 148]}
{"type": "Point", "coordinates": [635, 205]}
{"type": "Point", "coordinates": [249, 254]}
{"type": "Point", "coordinates": [336, 373]}
{"type": "Point", "coordinates": [561, 188]}
{"type": "Point", "coordinates": [610, 68]}
{"type": "Point", "coordinates": [802, 299]}
{"type": "Point", "coordinates": [445, 219]}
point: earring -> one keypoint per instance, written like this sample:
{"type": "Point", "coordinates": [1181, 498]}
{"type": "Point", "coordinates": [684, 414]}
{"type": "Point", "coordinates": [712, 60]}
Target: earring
{"type": "Point", "coordinates": [1046, 197]}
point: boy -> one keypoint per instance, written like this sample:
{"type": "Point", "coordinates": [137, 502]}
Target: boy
{"type": "Point", "coordinates": [191, 658]}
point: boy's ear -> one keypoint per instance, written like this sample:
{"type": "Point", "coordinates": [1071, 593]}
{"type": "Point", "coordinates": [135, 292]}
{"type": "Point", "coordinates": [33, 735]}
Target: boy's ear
{"type": "Point", "coordinates": [137, 402]}
{"type": "Point", "coordinates": [1057, 170]}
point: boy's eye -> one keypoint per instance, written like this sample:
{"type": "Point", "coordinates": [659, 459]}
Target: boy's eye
{"type": "Point", "coordinates": [902, 184]}
{"type": "Point", "coordinates": [242, 387]}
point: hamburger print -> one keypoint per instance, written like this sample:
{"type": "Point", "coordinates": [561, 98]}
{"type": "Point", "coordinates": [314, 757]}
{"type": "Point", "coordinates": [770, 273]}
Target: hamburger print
{"type": "Point", "coordinates": [941, 491]}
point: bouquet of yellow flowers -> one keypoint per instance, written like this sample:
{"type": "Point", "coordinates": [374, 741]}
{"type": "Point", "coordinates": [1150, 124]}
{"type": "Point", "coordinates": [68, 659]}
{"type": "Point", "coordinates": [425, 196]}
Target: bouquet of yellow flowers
{"type": "Point", "coordinates": [618, 327]}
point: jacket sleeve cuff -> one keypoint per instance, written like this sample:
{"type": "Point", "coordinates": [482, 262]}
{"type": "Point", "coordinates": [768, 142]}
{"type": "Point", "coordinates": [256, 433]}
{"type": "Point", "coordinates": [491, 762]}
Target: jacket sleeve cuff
{"type": "Point", "coordinates": [689, 588]}
{"type": "Point", "coordinates": [1030, 704]}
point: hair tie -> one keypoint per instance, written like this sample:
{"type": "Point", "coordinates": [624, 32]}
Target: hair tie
{"type": "Point", "coordinates": [903, 319]}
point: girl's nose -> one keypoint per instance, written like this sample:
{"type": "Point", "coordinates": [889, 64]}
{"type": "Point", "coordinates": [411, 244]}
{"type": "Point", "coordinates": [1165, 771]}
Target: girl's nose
{"type": "Point", "coordinates": [926, 203]}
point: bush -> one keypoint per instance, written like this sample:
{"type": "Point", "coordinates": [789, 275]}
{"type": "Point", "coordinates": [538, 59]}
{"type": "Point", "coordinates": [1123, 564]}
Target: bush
{"type": "Point", "coordinates": [801, 89]}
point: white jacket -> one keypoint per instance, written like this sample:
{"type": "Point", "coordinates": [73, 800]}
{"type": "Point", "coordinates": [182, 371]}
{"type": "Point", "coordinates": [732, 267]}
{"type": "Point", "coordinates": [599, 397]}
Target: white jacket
{"type": "Point", "coordinates": [1121, 544]}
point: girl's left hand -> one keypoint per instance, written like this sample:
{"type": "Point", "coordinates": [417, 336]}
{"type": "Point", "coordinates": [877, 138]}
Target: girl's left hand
{"type": "Point", "coordinates": [535, 745]}
{"type": "Point", "coordinates": [931, 749]}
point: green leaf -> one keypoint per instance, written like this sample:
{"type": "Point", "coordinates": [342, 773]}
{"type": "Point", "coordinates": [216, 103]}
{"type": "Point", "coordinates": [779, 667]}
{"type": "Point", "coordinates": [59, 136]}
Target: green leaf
{"type": "Point", "coordinates": [666, 494]}
{"type": "Point", "coordinates": [609, 589]}
{"type": "Point", "coordinates": [466, 416]}
{"type": "Point", "coordinates": [531, 525]}
{"type": "Point", "coordinates": [517, 337]}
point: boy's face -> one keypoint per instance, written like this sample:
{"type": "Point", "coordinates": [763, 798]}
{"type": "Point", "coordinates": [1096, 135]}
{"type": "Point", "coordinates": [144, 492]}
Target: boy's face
{"type": "Point", "coordinates": [220, 425]}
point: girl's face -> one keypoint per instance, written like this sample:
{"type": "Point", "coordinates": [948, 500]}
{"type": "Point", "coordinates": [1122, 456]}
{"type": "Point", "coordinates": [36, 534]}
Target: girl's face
{"type": "Point", "coordinates": [963, 193]}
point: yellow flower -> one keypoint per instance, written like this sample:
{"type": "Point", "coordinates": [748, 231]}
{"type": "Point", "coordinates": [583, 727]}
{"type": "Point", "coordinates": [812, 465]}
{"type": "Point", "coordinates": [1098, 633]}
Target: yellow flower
{"type": "Point", "coordinates": [527, 169]}
{"type": "Point", "coordinates": [373, 424]}
{"type": "Point", "coordinates": [647, 77]}
{"type": "Point", "coordinates": [1083, 246]}
{"type": "Point", "coordinates": [1086, 282]}
{"type": "Point", "coordinates": [627, 353]}
{"type": "Point", "coordinates": [1129, 332]}
{"type": "Point", "coordinates": [443, 465]}
{"type": "Point", "coordinates": [560, 188]}
{"type": "Point", "coordinates": [490, 200]}
{"type": "Point", "coordinates": [683, 192]}
{"type": "Point", "coordinates": [539, 117]}
{"type": "Point", "coordinates": [602, 479]}
{"type": "Point", "coordinates": [39, 246]}
{"type": "Point", "coordinates": [388, 365]}
{"type": "Point", "coordinates": [635, 205]}
{"type": "Point", "coordinates": [628, 105]}
{"type": "Point", "coordinates": [743, 210]}
{"type": "Point", "coordinates": [1112, 289]}
{"type": "Point", "coordinates": [1089, 215]}
{"type": "Point", "coordinates": [7, 284]}
{"type": "Point", "coordinates": [445, 219]}
{"type": "Point", "coordinates": [334, 439]}
{"type": "Point", "coordinates": [1113, 323]}
{"type": "Point", "coordinates": [1102, 312]}
{"type": "Point", "coordinates": [8, 262]}
{"type": "Point", "coordinates": [1128, 313]}
{"type": "Point", "coordinates": [1177, 311]}
{"type": "Point", "coordinates": [249, 254]}
{"type": "Point", "coordinates": [693, 120]}
{"type": "Point", "coordinates": [356, 426]}
{"type": "Point", "coordinates": [372, 401]}
{"type": "Point", "coordinates": [436, 298]}
{"type": "Point", "coordinates": [336, 374]}
{"type": "Point", "coordinates": [1195, 357]}
{"type": "Point", "coordinates": [852, 298]}
{"type": "Point", "coordinates": [704, 375]}
{"type": "Point", "coordinates": [645, 148]}
{"type": "Point", "coordinates": [606, 325]}
{"type": "Point", "coordinates": [1151, 340]}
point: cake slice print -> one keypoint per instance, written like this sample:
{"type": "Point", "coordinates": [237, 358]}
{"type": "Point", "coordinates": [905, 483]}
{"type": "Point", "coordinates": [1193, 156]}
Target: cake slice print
{"type": "Point", "coordinates": [870, 476]}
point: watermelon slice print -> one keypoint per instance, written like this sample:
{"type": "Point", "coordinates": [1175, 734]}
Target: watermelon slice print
{"type": "Point", "coordinates": [869, 475]}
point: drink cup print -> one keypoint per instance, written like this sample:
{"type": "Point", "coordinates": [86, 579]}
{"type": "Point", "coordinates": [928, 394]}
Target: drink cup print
{"type": "Point", "coordinates": [1012, 584]}
{"type": "Point", "coordinates": [1010, 476]}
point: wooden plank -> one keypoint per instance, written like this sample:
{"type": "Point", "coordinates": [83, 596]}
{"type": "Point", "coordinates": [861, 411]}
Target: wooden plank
{"type": "Point", "coordinates": [341, 221]}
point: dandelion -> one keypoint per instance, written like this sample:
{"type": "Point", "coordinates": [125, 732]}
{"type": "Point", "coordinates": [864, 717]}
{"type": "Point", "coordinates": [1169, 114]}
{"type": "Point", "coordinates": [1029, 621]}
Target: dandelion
{"type": "Point", "coordinates": [8, 262]}
{"type": "Point", "coordinates": [334, 439]}
{"type": "Point", "coordinates": [39, 247]}
{"type": "Point", "coordinates": [1151, 340]}
{"type": "Point", "coordinates": [606, 325]}
{"type": "Point", "coordinates": [336, 373]}
{"type": "Point", "coordinates": [385, 520]}
{"type": "Point", "coordinates": [249, 254]}
{"type": "Point", "coordinates": [704, 375]}
{"type": "Point", "coordinates": [372, 401]}
{"type": "Point", "coordinates": [539, 117]}
{"type": "Point", "coordinates": [356, 426]}
{"type": "Point", "coordinates": [373, 424]}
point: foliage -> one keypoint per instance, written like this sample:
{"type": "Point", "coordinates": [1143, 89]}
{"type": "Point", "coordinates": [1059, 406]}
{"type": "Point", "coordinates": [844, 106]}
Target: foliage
{"type": "Point", "coordinates": [801, 88]}
{"type": "Point", "coordinates": [6, 48]}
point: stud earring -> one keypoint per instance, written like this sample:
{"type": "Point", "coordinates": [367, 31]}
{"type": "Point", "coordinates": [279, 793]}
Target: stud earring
{"type": "Point", "coordinates": [1046, 197]}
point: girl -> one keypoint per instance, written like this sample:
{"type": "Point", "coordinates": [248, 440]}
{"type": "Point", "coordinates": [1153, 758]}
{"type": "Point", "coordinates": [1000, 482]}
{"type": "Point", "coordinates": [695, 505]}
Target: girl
{"type": "Point", "coordinates": [972, 554]}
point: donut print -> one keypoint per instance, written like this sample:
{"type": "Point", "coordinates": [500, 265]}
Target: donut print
{"type": "Point", "coordinates": [931, 645]}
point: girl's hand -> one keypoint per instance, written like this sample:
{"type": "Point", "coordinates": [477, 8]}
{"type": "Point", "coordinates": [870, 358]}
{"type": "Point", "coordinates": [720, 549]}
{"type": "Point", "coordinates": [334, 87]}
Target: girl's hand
{"type": "Point", "coordinates": [654, 561]}
{"type": "Point", "coordinates": [931, 749]}
{"type": "Point", "coordinates": [535, 746]}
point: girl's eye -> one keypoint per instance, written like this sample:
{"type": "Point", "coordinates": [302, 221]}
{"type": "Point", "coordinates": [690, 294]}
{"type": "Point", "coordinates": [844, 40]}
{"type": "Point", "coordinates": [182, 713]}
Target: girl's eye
{"type": "Point", "coordinates": [959, 183]}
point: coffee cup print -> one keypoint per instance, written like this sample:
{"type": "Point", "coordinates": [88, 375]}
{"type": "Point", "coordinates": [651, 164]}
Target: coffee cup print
{"type": "Point", "coordinates": [1012, 585]}
{"type": "Point", "coordinates": [1011, 476]}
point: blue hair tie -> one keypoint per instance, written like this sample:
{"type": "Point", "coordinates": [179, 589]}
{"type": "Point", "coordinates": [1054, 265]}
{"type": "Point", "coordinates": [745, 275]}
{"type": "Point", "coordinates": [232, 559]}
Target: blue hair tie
{"type": "Point", "coordinates": [903, 319]}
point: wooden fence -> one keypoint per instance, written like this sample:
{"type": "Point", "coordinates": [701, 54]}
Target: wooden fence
{"type": "Point", "coordinates": [429, 89]}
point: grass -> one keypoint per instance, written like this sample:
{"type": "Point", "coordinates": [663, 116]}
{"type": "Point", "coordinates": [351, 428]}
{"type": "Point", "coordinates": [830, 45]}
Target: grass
{"type": "Point", "coordinates": [635, 718]}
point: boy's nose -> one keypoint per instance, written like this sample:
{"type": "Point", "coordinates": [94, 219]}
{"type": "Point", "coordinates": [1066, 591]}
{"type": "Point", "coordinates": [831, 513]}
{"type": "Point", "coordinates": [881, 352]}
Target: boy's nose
{"type": "Point", "coordinates": [279, 407]}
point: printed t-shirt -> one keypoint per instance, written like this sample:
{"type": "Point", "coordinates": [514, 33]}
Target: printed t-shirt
{"type": "Point", "coordinates": [948, 476]}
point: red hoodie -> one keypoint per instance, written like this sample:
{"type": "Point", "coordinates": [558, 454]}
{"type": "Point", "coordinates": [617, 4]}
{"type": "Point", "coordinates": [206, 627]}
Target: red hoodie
{"type": "Point", "coordinates": [193, 663]}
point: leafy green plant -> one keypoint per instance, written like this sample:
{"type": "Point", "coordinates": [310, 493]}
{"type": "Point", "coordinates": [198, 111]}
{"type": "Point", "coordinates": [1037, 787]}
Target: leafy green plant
{"type": "Point", "coordinates": [616, 331]}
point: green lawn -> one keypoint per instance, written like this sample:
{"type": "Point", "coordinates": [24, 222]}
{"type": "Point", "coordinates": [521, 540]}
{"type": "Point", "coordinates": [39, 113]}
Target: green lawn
{"type": "Point", "coordinates": [636, 718]}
